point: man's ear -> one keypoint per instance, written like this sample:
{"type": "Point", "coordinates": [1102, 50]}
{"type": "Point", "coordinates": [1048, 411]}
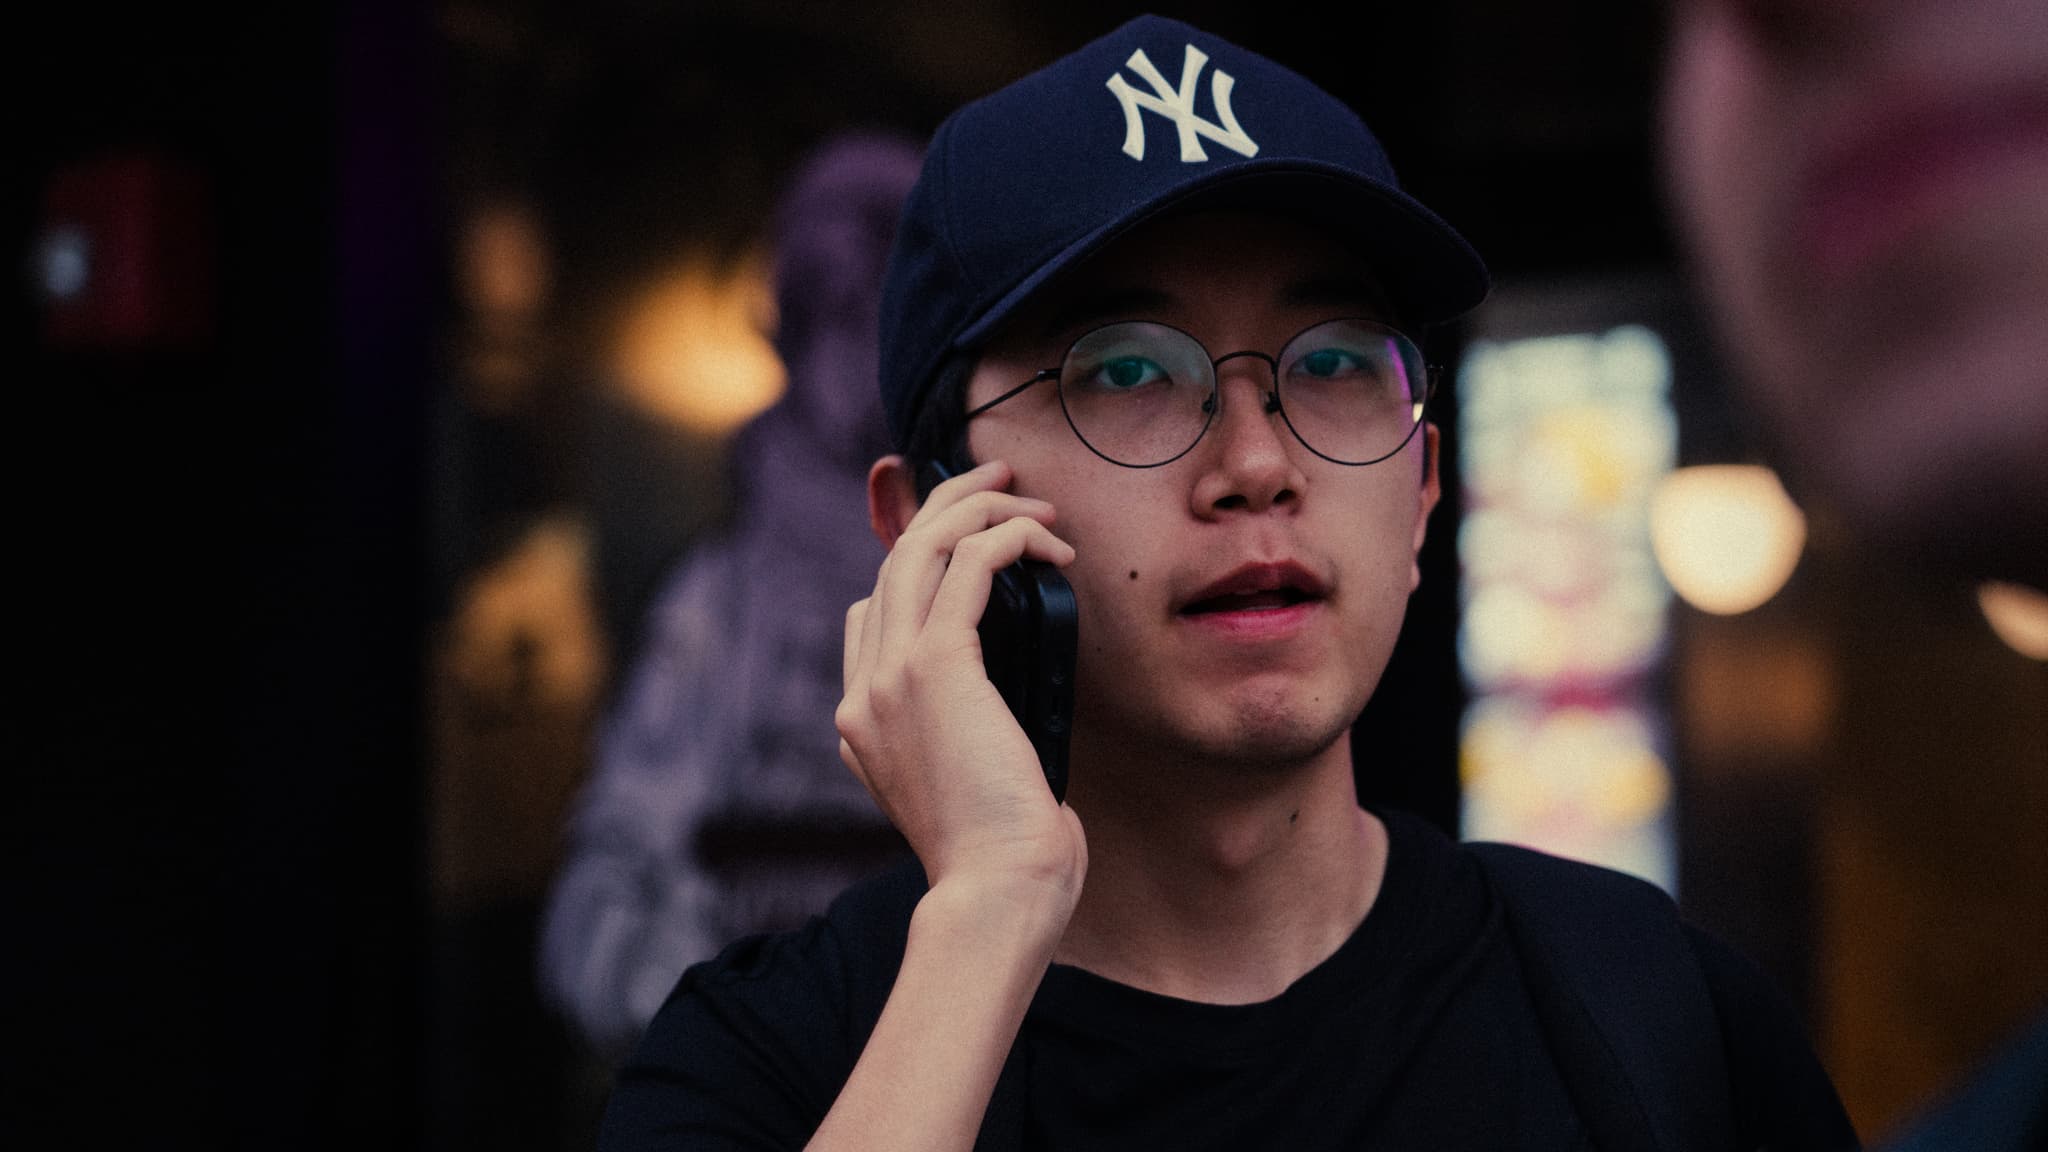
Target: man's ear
{"type": "Point", "coordinates": [1432, 451]}
{"type": "Point", "coordinates": [892, 498]}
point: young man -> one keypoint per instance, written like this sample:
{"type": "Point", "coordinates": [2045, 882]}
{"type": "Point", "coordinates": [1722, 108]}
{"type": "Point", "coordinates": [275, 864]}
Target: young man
{"type": "Point", "coordinates": [1170, 321]}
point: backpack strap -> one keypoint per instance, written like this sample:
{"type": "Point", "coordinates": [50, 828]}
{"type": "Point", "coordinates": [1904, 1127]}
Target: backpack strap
{"type": "Point", "coordinates": [1621, 998]}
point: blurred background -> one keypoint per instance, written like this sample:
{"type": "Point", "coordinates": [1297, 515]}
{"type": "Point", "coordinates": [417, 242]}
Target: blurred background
{"type": "Point", "coordinates": [378, 365]}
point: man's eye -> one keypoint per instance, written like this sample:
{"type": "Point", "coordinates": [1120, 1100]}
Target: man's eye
{"type": "Point", "coordinates": [1328, 362]}
{"type": "Point", "coordinates": [1126, 373]}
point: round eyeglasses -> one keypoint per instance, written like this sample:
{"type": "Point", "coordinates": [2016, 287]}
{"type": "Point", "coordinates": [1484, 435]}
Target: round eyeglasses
{"type": "Point", "coordinates": [1142, 394]}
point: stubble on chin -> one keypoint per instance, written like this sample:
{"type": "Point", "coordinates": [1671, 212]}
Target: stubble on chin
{"type": "Point", "coordinates": [1256, 736]}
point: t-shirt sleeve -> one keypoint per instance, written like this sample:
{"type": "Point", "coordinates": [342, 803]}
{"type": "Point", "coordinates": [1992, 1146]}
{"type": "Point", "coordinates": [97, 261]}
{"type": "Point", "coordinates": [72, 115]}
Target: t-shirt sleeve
{"type": "Point", "coordinates": [1782, 1096]}
{"type": "Point", "coordinates": [749, 1052]}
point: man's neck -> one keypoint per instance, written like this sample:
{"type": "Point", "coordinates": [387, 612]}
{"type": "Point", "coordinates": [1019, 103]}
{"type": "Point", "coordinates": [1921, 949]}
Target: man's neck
{"type": "Point", "coordinates": [1225, 899]}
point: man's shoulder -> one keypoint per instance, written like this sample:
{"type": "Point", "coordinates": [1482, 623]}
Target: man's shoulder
{"type": "Point", "coordinates": [1666, 1037]}
{"type": "Point", "coordinates": [1621, 996]}
{"type": "Point", "coordinates": [1532, 883]}
{"type": "Point", "coordinates": [1539, 882]}
{"type": "Point", "coordinates": [764, 1034]}
{"type": "Point", "coordinates": [800, 1002]}
{"type": "Point", "coordinates": [1591, 933]}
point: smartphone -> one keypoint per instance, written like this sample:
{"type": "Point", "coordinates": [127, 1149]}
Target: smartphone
{"type": "Point", "coordinates": [1028, 639]}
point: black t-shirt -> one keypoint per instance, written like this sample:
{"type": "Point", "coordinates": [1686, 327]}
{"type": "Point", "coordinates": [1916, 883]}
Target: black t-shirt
{"type": "Point", "coordinates": [1418, 1032]}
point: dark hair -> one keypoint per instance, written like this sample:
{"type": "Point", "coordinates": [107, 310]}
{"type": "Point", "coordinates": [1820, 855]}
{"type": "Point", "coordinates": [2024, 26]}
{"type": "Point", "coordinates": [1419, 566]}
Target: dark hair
{"type": "Point", "coordinates": [938, 432]}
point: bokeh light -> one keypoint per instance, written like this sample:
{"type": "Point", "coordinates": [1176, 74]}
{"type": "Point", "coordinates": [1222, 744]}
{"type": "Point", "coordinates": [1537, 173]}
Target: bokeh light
{"type": "Point", "coordinates": [1726, 535]}
{"type": "Point", "coordinates": [2019, 615]}
{"type": "Point", "coordinates": [694, 348]}
{"type": "Point", "coordinates": [1565, 437]}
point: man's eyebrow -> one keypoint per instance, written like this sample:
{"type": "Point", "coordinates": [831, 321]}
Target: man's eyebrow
{"type": "Point", "coordinates": [1102, 307]}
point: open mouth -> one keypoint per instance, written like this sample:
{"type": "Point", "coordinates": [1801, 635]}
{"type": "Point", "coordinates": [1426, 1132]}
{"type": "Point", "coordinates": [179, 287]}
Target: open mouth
{"type": "Point", "coordinates": [1256, 588]}
{"type": "Point", "coordinates": [1248, 602]}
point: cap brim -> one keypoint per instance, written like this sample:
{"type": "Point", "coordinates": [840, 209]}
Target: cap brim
{"type": "Point", "coordinates": [1431, 273]}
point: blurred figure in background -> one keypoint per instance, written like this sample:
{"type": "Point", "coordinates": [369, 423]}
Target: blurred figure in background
{"type": "Point", "coordinates": [1865, 190]}
{"type": "Point", "coordinates": [718, 807]}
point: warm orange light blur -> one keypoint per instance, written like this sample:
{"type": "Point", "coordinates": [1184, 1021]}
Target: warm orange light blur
{"type": "Point", "coordinates": [525, 630]}
{"type": "Point", "coordinates": [693, 349]}
{"type": "Point", "coordinates": [503, 277]}
{"type": "Point", "coordinates": [1726, 535]}
{"type": "Point", "coordinates": [504, 263]}
{"type": "Point", "coordinates": [2019, 615]}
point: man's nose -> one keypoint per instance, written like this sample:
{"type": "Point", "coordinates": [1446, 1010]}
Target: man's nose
{"type": "Point", "coordinates": [1251, 464]}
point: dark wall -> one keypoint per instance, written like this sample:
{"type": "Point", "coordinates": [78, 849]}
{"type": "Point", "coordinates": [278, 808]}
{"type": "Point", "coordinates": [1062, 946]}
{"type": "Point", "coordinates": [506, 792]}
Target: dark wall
{"type": "Point", "coordinates": [217, 716]}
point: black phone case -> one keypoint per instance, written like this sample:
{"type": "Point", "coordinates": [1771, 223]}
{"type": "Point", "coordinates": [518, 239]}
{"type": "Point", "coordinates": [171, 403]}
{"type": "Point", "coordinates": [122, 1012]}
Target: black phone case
{"type": "Point", "coordinates": [1027, 642]}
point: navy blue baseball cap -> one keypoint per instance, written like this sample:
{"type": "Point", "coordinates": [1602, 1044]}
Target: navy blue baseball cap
{"type": "Point", "coordinates": [1029, 181]}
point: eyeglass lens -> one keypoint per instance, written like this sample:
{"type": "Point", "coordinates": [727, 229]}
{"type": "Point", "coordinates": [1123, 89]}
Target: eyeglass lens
{"type": "Point", "coordinates": [1142, 394]}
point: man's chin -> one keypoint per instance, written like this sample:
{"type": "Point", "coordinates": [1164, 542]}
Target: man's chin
{"type": "Point", "coordinates": [1267, 738]}
{"type": "Point", "coordinates": [1229, 735]}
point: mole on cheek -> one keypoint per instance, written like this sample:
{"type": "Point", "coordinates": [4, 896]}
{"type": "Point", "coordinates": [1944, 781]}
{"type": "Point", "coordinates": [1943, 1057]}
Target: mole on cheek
{"type": "Point", "coordinates": [1134, 573]}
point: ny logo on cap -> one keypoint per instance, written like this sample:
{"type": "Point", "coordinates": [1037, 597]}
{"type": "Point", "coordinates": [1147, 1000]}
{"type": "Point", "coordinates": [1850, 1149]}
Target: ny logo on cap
{"type": "Point", "coordinates": [1178, 105]}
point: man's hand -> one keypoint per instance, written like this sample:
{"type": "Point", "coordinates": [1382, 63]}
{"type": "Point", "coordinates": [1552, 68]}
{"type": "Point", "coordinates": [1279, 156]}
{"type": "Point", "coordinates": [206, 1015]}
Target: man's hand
{"type": "Point", "coordinates": [932, 740]}
{"type": "Point", "coordinates": [922, 726]}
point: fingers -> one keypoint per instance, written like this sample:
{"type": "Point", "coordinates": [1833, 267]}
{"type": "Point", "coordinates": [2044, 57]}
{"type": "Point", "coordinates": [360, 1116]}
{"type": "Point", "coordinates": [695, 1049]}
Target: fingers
{"type": "Point", "coordinates": [943, 499]}
{"type": "Point", "coordinates": [847, 717]}
{"type": "Point", "coordinates": [920, 726]}
{"type": "Point", "coordinates": [982, 478]}
{"type": "Point", "coordinates": [925, 553]}
{"type": "Point", "coordinates": [940, 566]}
{"type": "Point", "coordinates": [964, 589]}
{"type": "Point", "coordinates": [849, 663]}
{"type": "Point", "coordinates": [852, 762]}
{"type": "Point", "coordinates": [957, 509]}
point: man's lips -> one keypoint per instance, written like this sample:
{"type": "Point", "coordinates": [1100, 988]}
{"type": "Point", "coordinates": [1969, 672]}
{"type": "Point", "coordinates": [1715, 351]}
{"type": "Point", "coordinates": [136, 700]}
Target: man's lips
{"type": "Point", "coordinates": [1903, 164]}
{"type": "Point", "coordinates": [1256, 587]}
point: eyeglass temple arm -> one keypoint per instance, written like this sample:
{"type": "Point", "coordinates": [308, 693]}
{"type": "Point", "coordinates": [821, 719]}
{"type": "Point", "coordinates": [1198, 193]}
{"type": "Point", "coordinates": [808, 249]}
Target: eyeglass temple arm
{"type": "Point", "coordinates": [1044, 374]}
